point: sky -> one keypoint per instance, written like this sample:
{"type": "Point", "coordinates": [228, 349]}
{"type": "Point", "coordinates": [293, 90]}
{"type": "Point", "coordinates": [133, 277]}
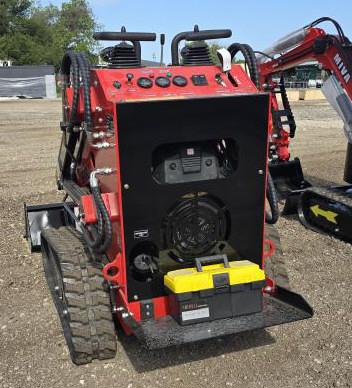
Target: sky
{"type": "Point", "coordinates": [257, 23]}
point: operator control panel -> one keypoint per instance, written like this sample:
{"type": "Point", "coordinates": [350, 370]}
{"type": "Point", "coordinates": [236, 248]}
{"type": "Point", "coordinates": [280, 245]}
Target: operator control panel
{"type": "Point", "coordinates": [172, 82]}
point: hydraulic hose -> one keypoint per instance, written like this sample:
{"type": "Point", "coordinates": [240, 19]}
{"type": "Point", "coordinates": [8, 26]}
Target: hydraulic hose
{"type": "Point", "coordinates": [95, 241]}
{"type": "Point", "coordinates": [100, 206]}
{"type": "Point", "coordinates": [69, 62]}
{"type": "Point", "coordinates": [253, 64]}
{"type": "Point", "coordinates": [104, 233]}
{"type": "Point", "coordinates": [102, 239]}
{"type": "Point", "coordinates": [80, 66]}
{"type": "Point", "coordinates": [249, 58]}
{"type": "Point", "coordinates": [84, 68]}
{"type": "Point", "coordinates": [272, 197]}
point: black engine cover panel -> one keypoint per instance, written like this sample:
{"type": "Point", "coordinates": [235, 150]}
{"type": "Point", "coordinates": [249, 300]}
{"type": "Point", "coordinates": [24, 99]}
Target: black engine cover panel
{"type": "Point", "coordinates": [145, 125]}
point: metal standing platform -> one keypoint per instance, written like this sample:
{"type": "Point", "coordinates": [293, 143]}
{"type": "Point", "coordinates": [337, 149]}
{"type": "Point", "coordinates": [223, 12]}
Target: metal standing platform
{"type": "Point", "coordinates": [286, 306]}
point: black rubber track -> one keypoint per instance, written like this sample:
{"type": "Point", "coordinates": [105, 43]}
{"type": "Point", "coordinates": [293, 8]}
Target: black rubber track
{"type": "Point", "coordinates": [275, 266]}
{"type": "Point", "coordinates": [80, 295]}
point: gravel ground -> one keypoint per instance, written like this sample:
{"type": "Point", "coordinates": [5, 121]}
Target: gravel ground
{"type": "Point", "coordinates": [312, 353]}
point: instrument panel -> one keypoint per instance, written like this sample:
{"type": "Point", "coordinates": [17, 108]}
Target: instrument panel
{"type": "Point", "coordinates": [172, 82]}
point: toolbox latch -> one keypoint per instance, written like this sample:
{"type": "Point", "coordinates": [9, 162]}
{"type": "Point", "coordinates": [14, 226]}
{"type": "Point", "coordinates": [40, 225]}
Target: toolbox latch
{"type": "Point", "coordinates": [221, 280]}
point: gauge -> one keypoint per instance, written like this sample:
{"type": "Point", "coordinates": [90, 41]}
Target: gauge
{"type": "Point", "coordinates": [163, 82]}
{"type": "Point", "coordinates": [179, 80]}
{"type": "Point", "coordinates": [144, 82]}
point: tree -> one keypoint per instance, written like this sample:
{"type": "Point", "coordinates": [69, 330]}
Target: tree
{"type": "Point", "coordinates": [32, 34]}
{"type": "Point", "coordinates": [75, 27]}
{"type": "Point", "coordinates": [12, 12]}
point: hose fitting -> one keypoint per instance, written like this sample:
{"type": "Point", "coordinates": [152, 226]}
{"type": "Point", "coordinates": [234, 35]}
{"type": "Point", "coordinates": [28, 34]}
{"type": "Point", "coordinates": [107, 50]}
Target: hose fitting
{"type": "Point", "coordinates": [93, 180]}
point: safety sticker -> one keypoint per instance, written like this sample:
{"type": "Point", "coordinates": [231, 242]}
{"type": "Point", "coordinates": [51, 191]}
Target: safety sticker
{"type": "Point", "coordinates": [195, 314]}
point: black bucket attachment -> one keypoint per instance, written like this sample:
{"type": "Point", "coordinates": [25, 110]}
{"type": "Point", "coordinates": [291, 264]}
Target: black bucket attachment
{"type": "Point", "coordinates": [40, 217]}
{"type": "Point", "coordinates": [284, 307]}
{"type": "Point", "coordinates": [289, 183]}
{"type": "Point", "coordinates": [327, 210]}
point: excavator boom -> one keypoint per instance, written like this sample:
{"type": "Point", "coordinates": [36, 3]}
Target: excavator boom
{"type": "Point", "coordinates": [322, 209]}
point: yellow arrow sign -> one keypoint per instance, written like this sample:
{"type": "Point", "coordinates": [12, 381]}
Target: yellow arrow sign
{"type": "Point", "coordinates": [328, 214]}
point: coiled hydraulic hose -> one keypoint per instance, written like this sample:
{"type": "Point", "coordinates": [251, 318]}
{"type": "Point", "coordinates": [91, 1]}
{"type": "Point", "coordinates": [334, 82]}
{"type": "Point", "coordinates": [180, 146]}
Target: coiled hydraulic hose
{"type": "Point", "coordinates": [84, 68]}
{"type": "Point", "coordinates": [104, 232]}
{"type": "Point", "coordinates": [95, 241]}
{"type": "Point", "coordinates": [69, 62]}
{"type": "Point", "coordinates": [107, 234]}
{"type": "Point", "coordinates": [249, 57]}
{"type": "Point", "coordinates": [102, 241]}
{"type": "Point", "coordinates": [78, 64]}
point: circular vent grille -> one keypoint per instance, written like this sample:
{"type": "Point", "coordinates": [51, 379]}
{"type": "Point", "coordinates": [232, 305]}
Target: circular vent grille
{"type": "Point", "coordinates": [194, 227]}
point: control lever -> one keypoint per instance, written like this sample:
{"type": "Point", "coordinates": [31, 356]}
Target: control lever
{"type": "Point", "coordinates": [129, 78]}
{"type": "Point", "coordinates": [162, 42]}
{"type": "Point", "coordinates": [219, 80]}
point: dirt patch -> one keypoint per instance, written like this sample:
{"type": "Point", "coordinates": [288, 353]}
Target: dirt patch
{"type": "Point", "coordinates": [312, 353]}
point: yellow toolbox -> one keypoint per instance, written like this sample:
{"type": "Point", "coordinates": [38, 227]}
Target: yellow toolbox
{"type": "Point", "coordinates": [221, 290]}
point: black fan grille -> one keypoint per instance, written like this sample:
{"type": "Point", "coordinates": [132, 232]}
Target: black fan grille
{"type": "Point", "coordinates": [195, 226]}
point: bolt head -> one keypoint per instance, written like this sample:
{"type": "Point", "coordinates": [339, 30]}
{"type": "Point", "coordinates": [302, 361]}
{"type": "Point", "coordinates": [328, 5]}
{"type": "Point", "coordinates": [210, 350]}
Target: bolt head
{"type": "Point", "coordinates": [65, 312]}
{"type": "Point", "coordinates": [135, 297]}
{"type": "Point", "coordinates": [126, 186]}
{"type": "Point", "coordinates": [268, 289]}
{"type": "Point", "coordinates": [260, 172]}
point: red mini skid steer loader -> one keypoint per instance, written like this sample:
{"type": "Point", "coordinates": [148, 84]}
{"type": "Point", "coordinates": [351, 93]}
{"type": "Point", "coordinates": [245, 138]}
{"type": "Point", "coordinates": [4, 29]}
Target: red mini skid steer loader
{"type": "Point", "coordinates": [165, 174]}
